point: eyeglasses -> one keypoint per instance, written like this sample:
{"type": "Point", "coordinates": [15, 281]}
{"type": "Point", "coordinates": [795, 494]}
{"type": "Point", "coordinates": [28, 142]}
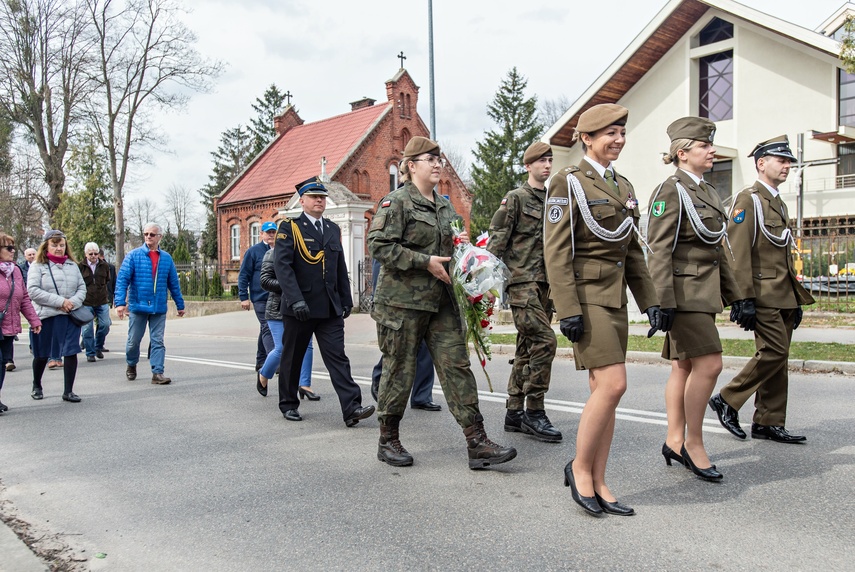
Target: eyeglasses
{"type": "Point", "coordinates": [10, 248]}
{"type": "Point", "coordinates": [433, 160]}
{"type": "Point", "coordinates": [150, 234]}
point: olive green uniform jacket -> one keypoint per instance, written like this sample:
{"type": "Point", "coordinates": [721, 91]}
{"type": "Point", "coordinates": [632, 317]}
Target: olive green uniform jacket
{"type": "Point", "coordinates": [690, 275]}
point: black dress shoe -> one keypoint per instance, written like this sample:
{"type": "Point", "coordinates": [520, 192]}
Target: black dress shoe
{"type": "Point", "coordinates": [590, 504]}
{"type": "Point", "coordinates": [537, 424]}
{"type": "Point", "coordinates": [670, 455]}
{"type": "Point", "coordinates": [727, 415]}
{"type": "Point", "coordinates": [708, 474]}
{"type": "Point", "coordinates": [614, 507]}
{"type": "Point", "coordinates": [307, 394]}
{"type": "Point", "coordinates": [429, 406]}
{"type": "Point", "coordinates": [775, 433]}
{"type": "Point", "coordinates": [90, 358]}
{"type": "Point", "coordinates": [261, 389]}
{"type": "Point", "coordinates": [358, 414]}
{"type": "Point", "coordinates": [99, 354]}
{"type": "Point", "coordinates": [293, 415]}
{"type": "Point", "coordinates": [3, 408]}
{"type": "Point", "coordinates": [71, 397]}
{"type": "Point", "coordinates": [37, 393]}
{"type": "Point", "coordinates": [131, 372]}
{"type": "Point", "coordinates": [513, 421]}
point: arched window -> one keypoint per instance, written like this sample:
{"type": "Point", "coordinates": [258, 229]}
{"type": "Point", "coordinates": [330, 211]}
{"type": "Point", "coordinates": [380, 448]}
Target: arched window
{"type": "Point", "coordinates": [365, 183]}
{"type": "Point", "coordinates": [402, 105]}
{"type": "Point", "coordinates": [254, 233]}
{"type": "Point", "coordinates": [409, 107]}
{"type": "Point", "coordinates": [405, 137]}
{"type": "Point", "coordinates": [234, 241]}
{"type": "Point", "coordinates": [356, 182]}
{"type": "Point", "coordinates": [393, 177]}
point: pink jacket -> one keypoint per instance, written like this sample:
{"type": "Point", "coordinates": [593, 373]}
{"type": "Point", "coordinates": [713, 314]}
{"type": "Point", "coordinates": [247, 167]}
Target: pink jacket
{"type": "Point", "coordinates": [21, 304]}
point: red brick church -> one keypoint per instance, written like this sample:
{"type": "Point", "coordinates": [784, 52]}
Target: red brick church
{"type": "Point", "coordinates": [359, 151]}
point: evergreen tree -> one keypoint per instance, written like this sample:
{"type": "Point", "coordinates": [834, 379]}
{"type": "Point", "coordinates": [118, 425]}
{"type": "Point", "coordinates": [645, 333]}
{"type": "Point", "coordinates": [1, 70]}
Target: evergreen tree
{"type": "Point", "coordinates": [498, 159]}
{"type": "Point", "coordinates": [847, 44]}
{"type": "Point", "coordinates": [6, 129]}
{"type": "Point", "coordinates": [86, 212]}
{"type": "Point", "coordinates": [267, 107]}
{"type": "Point", "coordinates": [232, 156]}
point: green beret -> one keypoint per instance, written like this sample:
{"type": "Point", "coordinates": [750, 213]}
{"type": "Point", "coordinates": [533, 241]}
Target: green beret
{"type": "Point", "coordinates": [777, 146]}
{"type": "Point", "coordinates": [600, 116]}
{"type": "Point", "coordinates": [694, 128]}
{"type": "Point", "coordinates": [418, 145]}
{"type": "Point", "coordinates": [535, 151]}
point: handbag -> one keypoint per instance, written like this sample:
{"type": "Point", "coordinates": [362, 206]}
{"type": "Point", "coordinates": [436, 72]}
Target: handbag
{"type": "Point", "coordinates": [79, 316]}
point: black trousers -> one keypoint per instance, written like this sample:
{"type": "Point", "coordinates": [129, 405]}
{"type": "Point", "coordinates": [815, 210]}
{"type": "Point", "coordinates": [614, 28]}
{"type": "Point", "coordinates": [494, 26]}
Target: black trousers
{"type": "Point", "coordinates": [329, 336]}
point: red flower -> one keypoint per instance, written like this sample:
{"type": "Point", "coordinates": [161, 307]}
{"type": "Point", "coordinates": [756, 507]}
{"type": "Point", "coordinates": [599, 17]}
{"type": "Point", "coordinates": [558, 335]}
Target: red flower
{"type": "Point", "coordinates": [485, 323]}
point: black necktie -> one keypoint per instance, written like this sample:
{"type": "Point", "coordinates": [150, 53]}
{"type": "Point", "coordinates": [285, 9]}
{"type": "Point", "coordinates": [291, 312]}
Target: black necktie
{"type": "Point", "coordinates": [318, 228]}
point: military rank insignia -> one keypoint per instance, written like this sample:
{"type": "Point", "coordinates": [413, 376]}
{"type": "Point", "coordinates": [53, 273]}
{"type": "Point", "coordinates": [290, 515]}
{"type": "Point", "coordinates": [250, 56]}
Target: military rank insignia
{"type": "Point", "coordinates": [658, 208]}
{"type": "Point", "coordinates": [738, 215]}
{"type": "Point", "coordinates": [554, 214]}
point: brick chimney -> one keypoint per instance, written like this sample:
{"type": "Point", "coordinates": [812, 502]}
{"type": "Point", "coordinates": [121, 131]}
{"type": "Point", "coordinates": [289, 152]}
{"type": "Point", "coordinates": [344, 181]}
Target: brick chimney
{"type": "Point", "coordinates": [361, 103]}
{"type": "Point", "coordinates": [286, 121]}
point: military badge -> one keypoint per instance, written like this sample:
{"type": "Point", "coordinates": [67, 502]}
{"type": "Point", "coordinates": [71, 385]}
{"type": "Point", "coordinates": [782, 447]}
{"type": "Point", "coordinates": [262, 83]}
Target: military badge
{"type": "Point", "coordinates": [557, 201]}
{"type": "Point", "coordinates": [631, 203]}
{"type": "Point", "coordinates": [738, 215]}
{"type": "Point", "coordinates": [385, 204]}
{"type": "Point", "coordinates": [505, 201]}
{"type": "Point", "coordinates": [658, 208]}
{"type": "Point", "coordinates": [555, 214]}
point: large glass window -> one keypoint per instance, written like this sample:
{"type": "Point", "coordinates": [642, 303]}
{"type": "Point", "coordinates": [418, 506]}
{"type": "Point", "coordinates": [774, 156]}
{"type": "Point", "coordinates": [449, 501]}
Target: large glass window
{"type": "Point", "coordinates": [716, 31]}
{"type": "Point", "coordinates": [234, 239]}
{"type": "Point", "coordinates": [846, 98]}
{"type": "Point", "coordinates": [254, 233]}
{"type": "Point", "coordinates": [715, 86]}
{"type": "Point", "coordinates": [721, 175]}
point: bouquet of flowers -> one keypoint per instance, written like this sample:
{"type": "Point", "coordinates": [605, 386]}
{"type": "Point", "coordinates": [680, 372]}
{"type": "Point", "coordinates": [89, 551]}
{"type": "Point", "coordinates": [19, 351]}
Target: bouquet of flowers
{"type": "Point", "coordinates": [478, 277]}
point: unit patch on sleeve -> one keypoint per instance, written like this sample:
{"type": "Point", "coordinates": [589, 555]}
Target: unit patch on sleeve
{"type": "Point", "coordinates": [738, 215]}
{"type": "Point", "coordinates": [658, 208]}
{"type": "Point", "coordinates": [555, 214]}
{"type": "Point", "coordinates": [385, 204]}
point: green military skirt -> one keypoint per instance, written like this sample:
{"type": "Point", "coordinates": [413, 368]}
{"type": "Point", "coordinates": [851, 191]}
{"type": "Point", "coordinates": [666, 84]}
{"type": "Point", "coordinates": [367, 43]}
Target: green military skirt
{"type": "Point", "coordinates": [693, 334]}
{"type": "Point", "coordinates": [605, 338]}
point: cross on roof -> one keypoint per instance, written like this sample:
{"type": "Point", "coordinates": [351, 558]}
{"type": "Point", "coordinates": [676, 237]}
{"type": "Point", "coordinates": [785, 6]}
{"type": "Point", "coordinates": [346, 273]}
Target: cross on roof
{"type": "Point", "coordinates": [288, 96]}
{"type": "Point", "coordinates": [402, 57]}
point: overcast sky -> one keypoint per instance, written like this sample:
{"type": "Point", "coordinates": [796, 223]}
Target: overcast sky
{"type": "Point", "coordinates": [331, 52]}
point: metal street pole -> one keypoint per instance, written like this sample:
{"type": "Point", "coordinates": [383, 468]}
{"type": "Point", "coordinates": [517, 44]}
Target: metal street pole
{"type": "Point", "coordinates": [432, 93]}
{"type": "Point", "coordinates": [800, 181]}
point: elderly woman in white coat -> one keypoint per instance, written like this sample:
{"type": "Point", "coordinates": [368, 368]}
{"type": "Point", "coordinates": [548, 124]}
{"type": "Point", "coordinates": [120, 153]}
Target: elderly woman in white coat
{"type": "Point", "coordinates": [56, 287]}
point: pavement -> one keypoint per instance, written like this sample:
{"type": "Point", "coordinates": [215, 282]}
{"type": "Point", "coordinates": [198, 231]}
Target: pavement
{"type": "Point", "coordinates": [360, 329]}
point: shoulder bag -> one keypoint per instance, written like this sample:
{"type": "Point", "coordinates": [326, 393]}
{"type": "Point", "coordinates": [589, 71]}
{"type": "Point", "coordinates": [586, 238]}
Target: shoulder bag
{"type": "Point", "coordinates": [79, 316]}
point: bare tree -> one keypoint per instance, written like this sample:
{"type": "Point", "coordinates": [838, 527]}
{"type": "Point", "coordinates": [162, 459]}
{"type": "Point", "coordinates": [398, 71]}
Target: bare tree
{"type": "Point", "coordinates": [457, 159]}
{"type": "Point", "coordinates": [550, 110]}
{"type": "Point", "coordinates": [44, 80]}
{"type": "Point", "coordinates": [147, 61]}
{"type": "Point", "coordinates": [140, 212]}
{"type": "Point", "coordinates": [21, 193]}
{"type": "Point", "coordinates": [181, 205]}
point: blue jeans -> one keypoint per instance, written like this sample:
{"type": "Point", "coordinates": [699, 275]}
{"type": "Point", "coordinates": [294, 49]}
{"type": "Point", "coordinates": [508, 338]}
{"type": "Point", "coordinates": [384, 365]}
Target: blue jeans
{"type": "Point", "coordinates": [136, 330]}
{"type": "Point", "coordinates": [265, 339]}
{"type": "Point", "coordinates": [272, 362]}
{"type": "Point", "coordinates": [95, 341]}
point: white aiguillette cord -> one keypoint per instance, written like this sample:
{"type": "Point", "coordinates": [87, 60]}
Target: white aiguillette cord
{"type": "Point", "coordinates": [779, 241]}
{"type": "Point", "coordinates": [705, 234]}
{"type": "Point", "coordinates": [620, 233]}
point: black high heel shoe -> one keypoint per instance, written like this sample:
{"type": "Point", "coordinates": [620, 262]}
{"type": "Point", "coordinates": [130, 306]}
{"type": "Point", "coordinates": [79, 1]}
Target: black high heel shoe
{"type": "Point", "coordinates": [590, 504]}
{"type": "Point", "coordinates": [709, 474]}
{"type": "Point", "coordinates": [670, 455]}
{"type": "Point", "coordinates": [616, 507]}
{"type": "Point", "coordinates": [310, 395]}
{"type": "Point", "coordinates": [261, 388]}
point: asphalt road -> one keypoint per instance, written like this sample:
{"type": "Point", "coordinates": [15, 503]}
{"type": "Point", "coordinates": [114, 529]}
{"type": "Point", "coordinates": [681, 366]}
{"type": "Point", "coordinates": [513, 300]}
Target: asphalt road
{"type": "Point", "coordinates": [205, 474]}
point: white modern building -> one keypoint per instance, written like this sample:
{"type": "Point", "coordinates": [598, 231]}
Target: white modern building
{"type": "Point", "coordinates": [756, 76]}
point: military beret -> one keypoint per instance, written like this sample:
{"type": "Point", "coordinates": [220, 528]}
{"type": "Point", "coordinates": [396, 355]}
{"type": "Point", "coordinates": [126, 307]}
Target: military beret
{"type": "Point", "coordinates": [535, 151]}
{"type": "Point", "coordinates": [777, 146]}
{"type": "Point", "coordinates": [600, 116]}
{"type": "Point", "coordinates": [694, 128]}
{"type": "Point", "coordinates": [418, 145]}
{"type": "Point", "coordinates": [312, 186]}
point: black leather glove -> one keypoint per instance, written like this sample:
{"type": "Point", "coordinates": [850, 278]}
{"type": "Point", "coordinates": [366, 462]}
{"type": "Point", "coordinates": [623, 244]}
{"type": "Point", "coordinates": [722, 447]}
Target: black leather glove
{"type": "Point", "coordinates": [799, 314]}
{"type": "Point", "coordinates": [736, 311]}
{"type": "Point", "coordinates": [572, 328]}
{"type": "Point", "coordinates": [301, 310]}
{"type": "Point", "coordinates": [654, 316]}
{"type": "Point", "coordinates": [666, 319]}
{"type": "Point", "coordinates": [749, 315]}
{"type": "Point", "coordinates": [345, 312]}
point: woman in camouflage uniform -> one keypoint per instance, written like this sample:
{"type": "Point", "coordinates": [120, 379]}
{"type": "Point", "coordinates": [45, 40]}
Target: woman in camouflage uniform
{"type": "Point", "coordinates": [411, 236]}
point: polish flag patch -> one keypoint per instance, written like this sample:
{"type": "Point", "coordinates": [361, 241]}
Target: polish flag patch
{"type": "Point", "coordinates": [385, 204]}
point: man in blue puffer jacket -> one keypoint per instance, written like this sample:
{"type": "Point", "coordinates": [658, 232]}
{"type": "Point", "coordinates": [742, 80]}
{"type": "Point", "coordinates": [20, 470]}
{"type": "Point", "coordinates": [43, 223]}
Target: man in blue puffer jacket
{"type": "Point", "coordinates": [144, 278]}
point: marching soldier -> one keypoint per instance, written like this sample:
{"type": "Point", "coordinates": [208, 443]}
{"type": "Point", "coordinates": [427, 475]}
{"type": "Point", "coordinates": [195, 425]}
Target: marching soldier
{"type": "Point", "coordinates": [761, 239]}
{"type": "Point", "coordinates": [516, 236]}
{"type": "Point", "coordinates": [309, 265]}
{"type": "Point", "coordinates": [688, 261]}
{"type": "Point", "coordinates": [412, 238]}
{"type": "Point", "coordinates": [592, 253]}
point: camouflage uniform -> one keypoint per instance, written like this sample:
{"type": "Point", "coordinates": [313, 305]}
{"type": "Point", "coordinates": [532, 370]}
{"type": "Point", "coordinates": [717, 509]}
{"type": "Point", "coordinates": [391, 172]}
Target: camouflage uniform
{"type": "Point", "coordinates": [516, 236]}
{"type": "Point", "coordinates": [410, 304]}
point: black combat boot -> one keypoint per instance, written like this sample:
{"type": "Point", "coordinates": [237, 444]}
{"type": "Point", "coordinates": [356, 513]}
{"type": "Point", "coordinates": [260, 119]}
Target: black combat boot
{"type": "Point", "coordinates": [513, 421]}
{"type": "Point", "coordinates": [390, 449]}
{"type": "Point", "coordinates": [537, 424]}
{"type": "Point", "coordinates": [482, 451]}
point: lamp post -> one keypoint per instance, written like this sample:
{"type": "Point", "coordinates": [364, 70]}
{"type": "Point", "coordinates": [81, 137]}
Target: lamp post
{"type": "Point", "coordinates": [430, 72]}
